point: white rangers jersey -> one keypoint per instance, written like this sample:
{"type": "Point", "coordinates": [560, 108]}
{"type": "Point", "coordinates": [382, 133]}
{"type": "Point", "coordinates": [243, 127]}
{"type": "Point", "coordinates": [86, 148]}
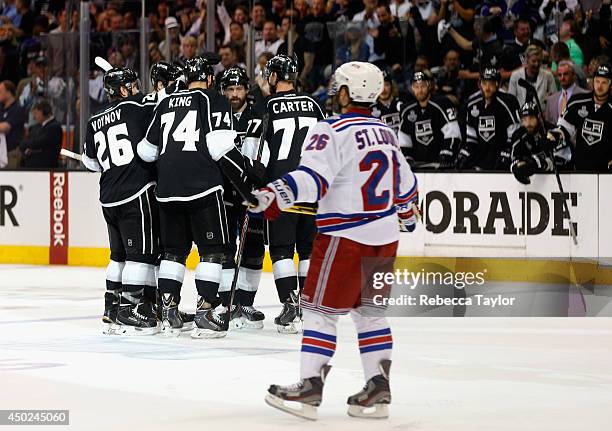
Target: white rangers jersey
{"type": "Point", "coordinates": [353, 167]}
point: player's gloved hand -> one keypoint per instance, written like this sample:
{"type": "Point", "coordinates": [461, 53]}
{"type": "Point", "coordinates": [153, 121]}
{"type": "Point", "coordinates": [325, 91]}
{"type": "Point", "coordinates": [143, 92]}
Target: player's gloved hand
{"type": "Point", "coordinates": [610, 165]}
{"type": "Point", "coordinates": [274, 198]}
{"type": "Point", "coordinates": [406, 217]}
{"type": "Point", "coordinates": [554, 138]}
{"type": "Point", "coordinates": [462, 159]}
{"type": "Point", "coordinates": [503, 161]}
{"type": "Point", "coordinates": [523, 169]}
{"type": "Point", "coordinates": [256, 171]}
{"type": "Point", "coordinates": [447, 160]}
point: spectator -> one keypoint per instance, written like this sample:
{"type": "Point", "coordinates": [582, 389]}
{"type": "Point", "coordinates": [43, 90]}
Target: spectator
{"type": "Point", "coordinates": [229, 59]}
{"type": "Point", "coordinates": [12, 120]}
{"type": "Point", "coordinates": [566, 34]}
{"type": "Point", "coordinates": [26, 20]}
{"type": "Point", "coordinates": [42, 146]}
{"type": "Point", "coordinates": [258, 19]}
{"type": "Point", "coordinates": [447, 77]}
{"type": "Point", "coordinates": [127, 48]}
{"type": "Point", "coordinates": [560, 52]}
{"type": "Point", "coordinates": [236, 33]}
{"type": "Point", "coordinates": [10, 11]}
{"type": "Point", "coordinates": [241, 14]}
{"type": "Point", "coordinates": [302, 8]}
{"type": "Point", "coordinates": [279, 8]}
{"type": "Point", "coordinates": [172, 38]}
{"type": "Point", "coordinates": [369, 16]}
{"type": "Point", "coordinates": [353, 48]}
{"type": "Point", "coordinates": [514, 52]}
{"type": "Point", "coordinates": [389, 42]}
{"type": "Point", "coordinates": [62, 47]}
{"type": "Point", "coordinates": [129, 21]}
{"type": "Point", "coordinates": [259, 79]}
{"type": "Point", "coordinates": [399, 8]}
{"type": "Point", "coordinates": [340, 10]}
{"type": "Point", "coordinates": [189, 46]}
{"type": "Point", "coordinates": [541, 78]}
{"type": "Point", "coordinates": [269, 42]}
{"type": "Point", "coordinates": [318, 54]}
{"type": "Point", "coordinates": [9, 66]}
{"type": "Point", "coordinates": [557, 102]}
{"type": "Point", "coordinates": [31, 89]}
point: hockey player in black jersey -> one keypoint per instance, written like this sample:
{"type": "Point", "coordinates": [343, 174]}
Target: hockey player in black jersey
{"type": "Point", "coordinates": [290, 115]}
{"type": "Point", "coordinates": [164, 75]}
{"type": "Point", "coordinates": [533, 148]}
{"type": "Point", "coordinates": [429, 132]}
{"type": "Point", "coordinates": [247, 122]}
{"type": "Point", "coordinates": [587, 121]}
{"type": "Point", "coordinates": [491, 119]}
{"type": "Point", "coordinates": [128, 203]}
{"type": "Point", "coordinates": [388, 106]}
{"type": "Point", "coordinates": [191, 140]}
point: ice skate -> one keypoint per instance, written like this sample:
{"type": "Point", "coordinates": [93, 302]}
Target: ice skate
{"type": "Point", "coordinates": [288, 321]}
{"type": "Point", "coordinates": [300, 399]}
{"type": "Point", "coordinates": [235, 320]}
{"type": "Point", "coordinates": [171, 320]}
{"type": "Point", "coordinates": [131, 319]}
{"type": "Point", "coordinates": [251, 317]}
{"type": "Point", "coordinates": [187, 318]}
{"type": "Point", "coordinates": [111, 307]}
{"type": "Point", "coordinates": [374, 399]}
{"type": "Point", "coordinates": [207, 323]}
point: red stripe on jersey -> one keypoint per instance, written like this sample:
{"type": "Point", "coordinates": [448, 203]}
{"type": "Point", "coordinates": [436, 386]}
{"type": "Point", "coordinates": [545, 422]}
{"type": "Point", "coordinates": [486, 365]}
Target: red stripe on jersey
{"type": "Point", "coordinates": [350, 120]}
{"type": "Point", "coordinates": [375, 340]}
{"type": "Point", "coordinates": [318, 343]}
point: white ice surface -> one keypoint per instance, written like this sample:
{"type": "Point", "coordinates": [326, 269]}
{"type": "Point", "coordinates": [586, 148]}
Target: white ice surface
{"type": "Point", "coordinates": [448, 374]}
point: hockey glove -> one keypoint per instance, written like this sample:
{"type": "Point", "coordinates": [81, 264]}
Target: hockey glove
{"type": "Point", "coordinates": [256, 171]}
{"type": "Point", "coordinates": [610, 165]}
{"type": "Point", "coordinates": [406, 217]}
{"type": "Point", "coordinates": [554, 139]}
{"type": "Point", "coordinates": [503, 161]}
{"type": "Point", "coordinates": [447, 160]}
{"type": "Point", "coordinates": [274, 198]}
{"type": "Point", "coordinates": [462, 159]}
{"type": "Point", "coordinates": [523, 169]}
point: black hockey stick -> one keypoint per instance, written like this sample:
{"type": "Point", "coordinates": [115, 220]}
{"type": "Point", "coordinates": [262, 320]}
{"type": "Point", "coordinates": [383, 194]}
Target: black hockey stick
{"type": "Point", "coordinates": [531, 89]}
{"type": "Point", "coordinates": [245, 227]}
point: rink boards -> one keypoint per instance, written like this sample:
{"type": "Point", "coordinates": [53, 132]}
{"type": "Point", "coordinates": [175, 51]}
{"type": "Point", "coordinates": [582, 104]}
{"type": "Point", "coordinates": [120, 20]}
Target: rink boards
{"type": "Point", "coordinates": [468, 219]}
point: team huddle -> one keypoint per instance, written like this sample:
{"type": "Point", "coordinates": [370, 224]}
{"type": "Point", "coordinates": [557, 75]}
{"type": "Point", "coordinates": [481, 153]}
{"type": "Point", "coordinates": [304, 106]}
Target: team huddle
{"type": "Point", "coordinates": [205, 163]}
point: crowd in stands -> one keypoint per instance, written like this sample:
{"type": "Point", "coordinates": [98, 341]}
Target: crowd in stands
{"type": "Point", "coordinates": [555, 44]}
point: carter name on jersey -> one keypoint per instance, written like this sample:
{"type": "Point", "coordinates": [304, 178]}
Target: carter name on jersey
{"type": "Point", "coordinates": [280, 106]}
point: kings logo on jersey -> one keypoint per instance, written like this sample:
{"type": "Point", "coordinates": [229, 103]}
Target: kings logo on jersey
{"type": "Point", "coordinates": [423, 132]}
{"type": "Point", "coordinates": [486, 127]}
{"type": "Point", "coordinates": [592, 131]}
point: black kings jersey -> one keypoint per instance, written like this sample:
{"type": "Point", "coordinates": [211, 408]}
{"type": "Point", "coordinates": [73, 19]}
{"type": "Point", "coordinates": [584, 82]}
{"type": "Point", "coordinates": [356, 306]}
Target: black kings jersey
{"type": "Point", "coordinates": [248, 123]}
{"type": "Point", "coordinates": [489, 128]}
{"type": "Point", "coordinates": [388, 113]}
{"type": "Point", "coordinates": [424, 132]}
{"type": "Point", "coordinates": [591, 126]}
{"type": "Point", "coordinates": [111, 141]}
{"type": "Point", "coordinates": [291, 115]}
{"type": "Point", "coordinates": [185, 169]}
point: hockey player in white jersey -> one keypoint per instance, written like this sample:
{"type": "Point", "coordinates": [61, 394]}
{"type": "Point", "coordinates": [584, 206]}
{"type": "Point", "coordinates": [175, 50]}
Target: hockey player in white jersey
{"type": "Point", "coordinates": [352, 166]}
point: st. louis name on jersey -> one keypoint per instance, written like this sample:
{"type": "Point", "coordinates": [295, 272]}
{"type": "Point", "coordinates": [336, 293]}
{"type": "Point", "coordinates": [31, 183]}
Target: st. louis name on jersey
{"type": "Point", "coordinates": [110, 147]}
{"type": "Point", "coordinates": [425, 131]}
{"type": "Point", "coordinates": [590, 126]}
{"type": "Point", "coordinates": [352, 165]}
{"type": "Point", "coordinates": [290, 116]}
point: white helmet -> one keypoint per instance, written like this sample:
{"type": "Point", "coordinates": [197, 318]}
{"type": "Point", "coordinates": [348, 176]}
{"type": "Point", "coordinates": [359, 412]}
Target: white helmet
{"type": "Point", "coordinates": [364, 81]}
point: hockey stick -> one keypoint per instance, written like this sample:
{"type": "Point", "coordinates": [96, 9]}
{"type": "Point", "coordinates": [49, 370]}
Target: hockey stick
{"type": "Point", "coordinates": [530, 88]}
{"type": "Point", "coordinates": [245, 227]}
{"type": "Point", "coordinates": [103, 64]}
{"type": "Point", "coordinates": [67, 153]}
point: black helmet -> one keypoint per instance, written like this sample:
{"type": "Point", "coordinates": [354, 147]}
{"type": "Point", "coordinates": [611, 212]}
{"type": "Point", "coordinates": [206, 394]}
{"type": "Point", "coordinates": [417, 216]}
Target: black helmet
{"type": "Point", "coordinates": [199, 68]}
{"type": "Point", "coordinates": [529, 108]}
{"type": "Point", "coordinates": [234, 76]}
{"type": "Point", "coordinates": [490, 74]}
{"type": "Point", "coordinates": [119, 77]}
{"type": "Point", "coordinates": [165, 73]}
{"type": "Point", "coordinates": [422, 76]}
{"type": "Point", "coordinates": [604, 71]}
{"type": "Point", "coordinates": [286, 68]}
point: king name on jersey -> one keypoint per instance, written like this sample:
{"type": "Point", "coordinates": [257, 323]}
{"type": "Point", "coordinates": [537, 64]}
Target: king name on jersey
{"type": "Point", "coordinates": [176, 102]}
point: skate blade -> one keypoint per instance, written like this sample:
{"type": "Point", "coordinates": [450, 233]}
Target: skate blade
{"type": "Point", "coordinates": [236, 323]}
{"type": "Point", "coordinates": [187, 326]}
{"type": "Point", "coordinates": [248, 324]}
{"type": "Point", "coordinates": [294, 327]}
{"type": "Point", "coordinates": [306, 411]}
{"type": "Point", "coordinates": [131, 331]}
{"type": "Point", "coordinates": [207, 333]}
{"type": "Point", "coordinates": [170, 332]}
{"type": "Point", "coordinates": [109, 328]}
{"type": "Point", "coordinates": [377, 411]}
